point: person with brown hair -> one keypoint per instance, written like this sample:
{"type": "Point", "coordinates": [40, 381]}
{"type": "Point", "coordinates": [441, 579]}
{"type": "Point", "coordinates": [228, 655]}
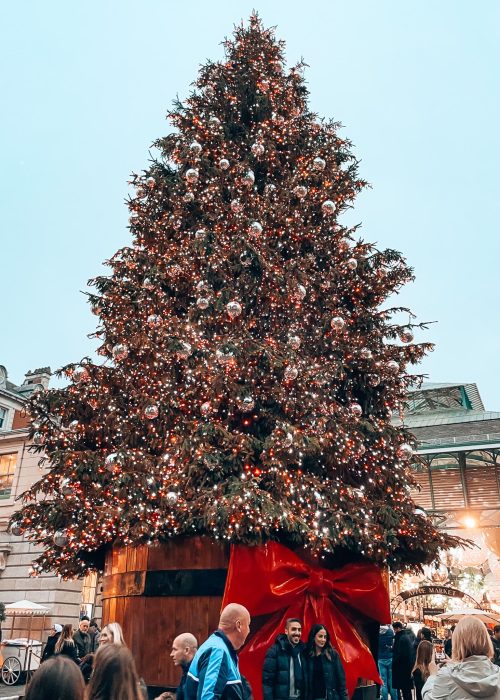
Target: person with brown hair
{"type": "Point", "coordinates": [58, 678]}
{"type": "Point", "coordinates": [66, 644]}
{"type": "Point", "coordinates": [471, 674]}
{"type": "Point", "coordinates": [424, 665]}
{"type": "Point", "coordinates": [114, 676]}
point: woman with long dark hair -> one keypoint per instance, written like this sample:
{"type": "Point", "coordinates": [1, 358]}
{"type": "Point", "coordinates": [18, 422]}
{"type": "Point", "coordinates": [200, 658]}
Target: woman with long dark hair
{"type": "Point", "coordinates": [66, 644]}
{"type": "Point", "coordinates": [424, 664]}
{"type": "Point", "coordinates": [114, 676]}
{"type": "Point", "coordinates": [58, 677]}
{"type": "Point", "coordinates": [325, 673]}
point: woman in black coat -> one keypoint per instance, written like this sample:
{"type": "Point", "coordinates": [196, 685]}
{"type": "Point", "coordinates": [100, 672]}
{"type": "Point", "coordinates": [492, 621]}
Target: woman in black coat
{"type": "Point", "coordinates": [325, 673]}
{"type": "Point", "coordinates": [66, 645]}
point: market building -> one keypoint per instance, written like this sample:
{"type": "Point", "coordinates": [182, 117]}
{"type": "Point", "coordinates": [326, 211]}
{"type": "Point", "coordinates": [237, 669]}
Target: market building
{"type": "Point", "coordinates": [458, 473]}
{"type": "Point", "coordinates": [19, 469]}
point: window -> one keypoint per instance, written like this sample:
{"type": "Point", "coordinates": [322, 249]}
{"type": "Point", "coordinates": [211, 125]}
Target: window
{"type": "Point", "coordinates": [7, 468]}
{"type": "Point", "coordinates": [3, 417]}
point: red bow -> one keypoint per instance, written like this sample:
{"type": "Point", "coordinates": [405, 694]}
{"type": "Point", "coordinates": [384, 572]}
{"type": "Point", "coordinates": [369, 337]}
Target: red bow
{"type": "Point", "coordinates": [273, 580]}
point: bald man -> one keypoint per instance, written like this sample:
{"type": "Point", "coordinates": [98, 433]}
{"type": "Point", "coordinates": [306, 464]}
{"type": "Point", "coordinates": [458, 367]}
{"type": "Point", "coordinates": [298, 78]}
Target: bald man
{"type": "Point", "coordinates": [214, 673]}
{"type": "Point", "coordinates": [184, 648]}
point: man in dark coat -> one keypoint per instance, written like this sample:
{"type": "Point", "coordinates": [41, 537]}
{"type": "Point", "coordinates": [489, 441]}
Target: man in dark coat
{"type": "Point", "coordinates": [283, 674]}
{"type": "Point", "coordinates": [184, 647]}
{"type": "Point", "coordinates": [403, 658]}
{"type": "Point", "coordinates": [82, 638]}
{"type": "Point", "coordinates": [495, 640]}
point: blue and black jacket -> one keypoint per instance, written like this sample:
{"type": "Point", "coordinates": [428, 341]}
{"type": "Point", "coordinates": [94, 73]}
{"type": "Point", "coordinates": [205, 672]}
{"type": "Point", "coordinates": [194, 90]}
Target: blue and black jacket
{"type": "Point", "coordinates": [214, 671]}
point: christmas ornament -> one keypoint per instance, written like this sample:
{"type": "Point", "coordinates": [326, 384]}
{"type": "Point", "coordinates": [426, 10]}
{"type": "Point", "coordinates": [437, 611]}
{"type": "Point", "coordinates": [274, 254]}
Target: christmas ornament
{"type": "Point", "coordinates": [373, 379]}
{"type": "Point", "coordinates": [255, 228]}
{"type": "Point", "coordinates": [269, 188]}
{"type": "Point", "coordinates": [202, 303]}
{"type": "Point", "coordinates": [148, 283]}
{"type": "Point", "coordinates": [38, 439]}
{"type": "Point", "coordinates": [249, 178]}
{"type": "Point", "coordinates": [319, 164]}
{"type": "Point", "coordinates": [16, 530]}
{"type": "Point", "coordinates": [236, 206]}
{"type": "Point", "coordinates": [294, 342]}
{"type": "Point", "coordinates": [172, 497]}
{"type": "Point", "coordinates": [337, 323]}
{"type": "Point", "coordinates": [120, 351]}
{"type": "Point", "coordinates": [66, 487]}
{"type": "Point", "coordinates": [246, 404]}
{"type": "Point", "coordinates": [192, 175]}
{"type": "Point", "coordinates": [366, 353]}
{"type": "Point", "coordinates": [406, 337]}
{"type": "Point", "coordinates": [151, 412]}
{"type": "Point", "coordinates": [80, 374]}
{"type": "Point", "coordinates": [264, 85]}
{"type": "Point", "coordinates": [352, 263]}
{"type": "Point", "coordinates": [356, 410]}
{"type": "Point", "coordinates": [214, 120]}
{"type": "Point", "coordinates": [223, 164]}
{"type": "Point", "coordinates": [60, 538]}
{"type": "Point", "coordinates": [209, 91]}
{"type": "Point", "coordinates": [195, 148]}
{"type": "Point", "coordinates": [112, 462]}
{"type": "Point", "coordinates": [188, 197]}
{"type": "Point", "coordinates": [405, 450]}
{"type": "Point", "coordinates": [224, 356]}
{"type": "Point", "coordinates": [150, 182]}
{"type": "Point", "coordinates": [328, 207]}
{"type": "Point", "coordinates": [233, 309]}
{"type": "Point", "coordinates": [184, 351]}
{"type": "Point", "coordinates": [73, 426]}
{"type": "Point", "coordinates": [200, 233]}
{"type": "Point", "coordinates": [205, 408]}
{"type": "Point", "coordinates": [291, 373]}
{"type": "Point", "coordinates": [258, 149]}
{"type": "Point", "coordinates": [392, 366]}
{"type": "Point", "coordinates": [154, 320]}
{"type": "Point", "coordinates": [246, 258]}
{"type": "Point", "coordinates": [288, 440]}
{"type": "Point", "coordinates": [300, 191]}
{"type": "Point", "coordinates": [300, 292]}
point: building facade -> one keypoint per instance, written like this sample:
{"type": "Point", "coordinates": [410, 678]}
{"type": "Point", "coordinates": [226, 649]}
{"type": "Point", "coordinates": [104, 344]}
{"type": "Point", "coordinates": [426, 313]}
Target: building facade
{"type": "Point", "coordinates": [19, 469]}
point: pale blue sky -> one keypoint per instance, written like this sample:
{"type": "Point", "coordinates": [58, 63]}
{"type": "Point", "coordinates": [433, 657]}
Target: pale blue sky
{"type": "Point", "coordinates": [85, 87]}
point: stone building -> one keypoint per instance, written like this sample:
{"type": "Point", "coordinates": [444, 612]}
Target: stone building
{"type": "Point", "coordinates": [66, 600]}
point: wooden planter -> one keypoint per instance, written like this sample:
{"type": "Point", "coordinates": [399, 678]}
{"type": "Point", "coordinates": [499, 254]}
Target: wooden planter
{"type": "Point", "coordinates": [157, 592]}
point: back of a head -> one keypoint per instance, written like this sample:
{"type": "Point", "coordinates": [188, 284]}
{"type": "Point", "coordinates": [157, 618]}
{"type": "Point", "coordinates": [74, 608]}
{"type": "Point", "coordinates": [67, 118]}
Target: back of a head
{"type": "Point", "coordinates": [114, 676]}
{"type": "Point", "coordinates": [471, 638]}
{"type": "Point", "coordinates": [58, 678]}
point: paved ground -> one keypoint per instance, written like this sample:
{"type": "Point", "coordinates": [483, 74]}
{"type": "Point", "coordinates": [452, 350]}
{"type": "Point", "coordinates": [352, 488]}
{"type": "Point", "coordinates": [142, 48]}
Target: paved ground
{"type": "Point", "coordinates": [11, 691]}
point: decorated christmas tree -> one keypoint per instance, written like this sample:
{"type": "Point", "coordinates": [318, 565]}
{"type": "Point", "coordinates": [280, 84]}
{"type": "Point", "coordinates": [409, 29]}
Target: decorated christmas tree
{"type": "Point", "coordinates": [251, 360]}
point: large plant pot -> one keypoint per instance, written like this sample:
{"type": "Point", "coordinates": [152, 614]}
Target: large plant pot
{"type": "Point", "coordinates": [157, 592]}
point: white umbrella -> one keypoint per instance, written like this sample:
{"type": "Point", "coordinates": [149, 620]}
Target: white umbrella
{"type": "Point", "coordinates": [25, 607]}
{"type": "Point", "coordinates": [457, 615]}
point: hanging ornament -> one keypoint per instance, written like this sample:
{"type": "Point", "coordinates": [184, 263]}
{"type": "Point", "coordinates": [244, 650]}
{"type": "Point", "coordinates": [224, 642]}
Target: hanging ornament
{"type": "Point", "coordinates": [246, 258]}
{"type": "Point", "coordinates": [214, 120]}
{"type": "Point", "coordinates": [73, 426]}
{"type": "Point", "coordinates": [291, 373]}
{"type": "Point", "coordinates": [172, 498]}
{"type": "Point", "coordinates": [224, 356]}
{"type": "Point", "coordinates": [294, 342]}
{"type": "Point", "coordinates": [148, 283]}
{"type": "Point", "coordinates": [112, 462]}
{"type": "Point", "coordinates": [236, 206]}
{"type": "Point", "coordinates": [209, 91]}
{"type": "Point", "coordinates": [202, 303]}
{"type": "Point", "coordinates": [120, 351]}
{"type": "Point", "coordinates": [188, 197]}
{"type": "Point", "coordinates": [184, 351]}
{"type": "Point", "coordinates": [151, 412]}
{"type": "Point", "coordinates": [80, 374]}
{"type": "Point", "coordinates": [16, 530]}
{"type": "Point", "coordinates": [300, 191]}
{"type": "Point", "coordinates": [200, 233]}
{"type": "Point", "coordinates": [255, 228]}
{"type": "Point", "coordinates": [60, 538]}
{"type": "Point", "coordinates": [249, 178]}
{"type": "Point", "coordinates": [233, 309]}
{"type": "Point", "coordinates": [373, 379]}
{"type": "Point", "coordinates": [300, 292]}
{"type": "Point", "coordinates": [38, 438]}
{"type": "Point", "coordinates": [195, 148]}
{"type": "Point", "coordinates": [150, 182]}
{"type": "Point", "coordinates": [258, 149]}
{"type": "Point", "coordinates": [224, 164]}
{"type": "Point", "coordinates": [319, 164]}
{"type": "Point", "coordinates": [406, 337]}
{"type": "Point", "coordinates": [365, 354]}
{"type": "Point", "coordinates": [328, 207]}
{"type": "Point", "coordinates": [154, 320]}
{"type": "Point", "coordinates": [192, 175]}
{"type": "Point", "coordinates": [66, 487]}
{"type": "Point", "coordinates": [205, 408]}
{"type": "Point", "coordinates": [355, 410]}
{"type": "Point", "coordinates": [337, 323]}
{"type": "Point", "coordinates": [392, 366]}
{"type": "Point", "coordinates": [288, 440]}
{"type": "Point", "coordinates": [352, 263]}
{"type": "Point", "coordinates": [246, 403]}
{"type": "Point", "coordinates": [405, 450]}
{"type": "Point", "coordinates": [264, 85]}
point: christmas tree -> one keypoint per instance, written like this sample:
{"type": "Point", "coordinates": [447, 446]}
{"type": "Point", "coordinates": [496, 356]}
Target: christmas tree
{"type": "Point", "coordinates": [250, 369]}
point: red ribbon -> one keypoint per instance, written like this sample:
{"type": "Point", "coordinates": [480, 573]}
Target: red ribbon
{"type": "Point", "coordinates": [273, 580]}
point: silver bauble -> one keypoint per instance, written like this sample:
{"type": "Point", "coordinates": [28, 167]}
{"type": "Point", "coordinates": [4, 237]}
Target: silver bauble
{"type": "Point", "coordinates": [257, 149]}
{"type": "Point", "coordinates": [246, 404]}
{"type": "Point", "coordinates": [233, 309]}
{"type": "Point", "coordinates": [328, 207]}
{"type": "Point", "coordinates": [202, 303]}
{"type": "Point", "coordinates": [120, 351]}
{"type": "Point", "coordinates": [248, 178]}
{"type": "Point", "coordinates": [319, 163]}
{"type": "Point", "coordinates": [195, 147]}
{"type": "Point", "coordinates": [192, 175]}
{"type": "Point", "coordinates": [255, 228]}
{"type": "Point", "coordinates": [300, 191]}
{"type": "Point", "coordinates": [236, 206]}
{"type": "Point", "coordinates": [224, 164]}
{"type": "Point", "coordinates": [60, 538]}
{"type": "Point", "coordinates": [151, 412]}
{"type": "Point", "coordinates": [291, 373]}
{"type": "Point", "coordinates": [337, 323]}
{"type": "Point", "coordinates": [172, 498]}
{"type": "Point", "coordinates": [154, 320]}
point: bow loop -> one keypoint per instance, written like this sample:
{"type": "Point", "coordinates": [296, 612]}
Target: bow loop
{"type": "Point", "coordinates": [320, 586]}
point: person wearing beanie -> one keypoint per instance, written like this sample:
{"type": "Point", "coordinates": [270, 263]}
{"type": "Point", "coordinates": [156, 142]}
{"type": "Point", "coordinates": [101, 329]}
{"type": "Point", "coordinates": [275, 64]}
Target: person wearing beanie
{"type": "Point", "coordinates": [54, 634]}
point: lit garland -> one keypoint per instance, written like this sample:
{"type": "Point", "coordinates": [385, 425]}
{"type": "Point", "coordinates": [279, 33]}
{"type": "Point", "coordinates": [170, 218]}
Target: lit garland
{"type": "Point", "coordinates": [250, 375]}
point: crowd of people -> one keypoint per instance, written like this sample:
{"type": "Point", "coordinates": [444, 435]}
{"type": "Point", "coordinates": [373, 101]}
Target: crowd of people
{"type": "Point", "coordinates": [97, 665]}
{"type": "Point", "coordinates": [469, 666]}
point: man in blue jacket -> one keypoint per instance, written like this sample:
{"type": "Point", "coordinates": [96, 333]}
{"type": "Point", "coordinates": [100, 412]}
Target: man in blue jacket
{"type": "Point", "coordinates": [214, 673]}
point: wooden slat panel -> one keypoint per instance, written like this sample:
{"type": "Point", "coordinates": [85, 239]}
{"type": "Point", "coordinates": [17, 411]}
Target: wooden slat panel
{"type": "Point", "coordinates": [448, 491]}
{"type": "Point", "coordinates": [482, 486]}
{"type": "Point", "coordinates": [422, 497]}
